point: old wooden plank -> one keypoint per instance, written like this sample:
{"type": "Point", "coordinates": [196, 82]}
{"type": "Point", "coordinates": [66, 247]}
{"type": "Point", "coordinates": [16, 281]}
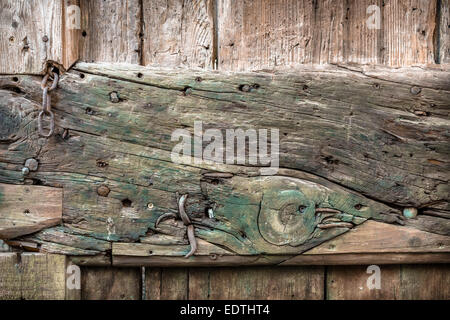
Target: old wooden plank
{"type": "Point", "coordinates": [99, 283]}
{"type": "Point", "coordinates": [199, 261]}
{"type": "Point", "coordinates": [376, 237]}
{"type": "Point", "coordinates": [9, 276]}
{"type": "Point", "coordinates": [27, 209]}
{"type": "Point", "coordinates": [166, 283]}
{"type": "Point", "coordinates": [71, 19]}
{"type": "Point", "coordinates": [43, 276]}
{"type": "Point", "coordinates": [291, 283]}
{"type": "Point", "coordinates": [444, 32]}
{"type": "Point", "coordinates": [264, 34]}
{"type": "Point", "coordinates": [425, 282]}
{"type": "Point", "coordinates": [110, 31]}
{"type": "Point", "coordinates": [35, 33]}
{"type": "Point", "coordinates": [147, 250]}
{"type": "Point", "coordinates": [72, 281]}
{"type": "Point", "coordinates": [99, 260]}
{"type": "Point", "coordinates": [397, 283]}
{"type": "Point", "coordinates": [380, 149]}
{"type": "Point", "coordinates": [178, 33]}
{"type": "Point", "coordinates": [366, 258]}
{"type": "Point", "coordinates": [31, 35]}
{"type": "Point", "coordinates": [409, 30]}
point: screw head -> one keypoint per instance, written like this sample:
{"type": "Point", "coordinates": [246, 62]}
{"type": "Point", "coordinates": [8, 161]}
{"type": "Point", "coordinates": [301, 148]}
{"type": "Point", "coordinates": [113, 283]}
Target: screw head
{"type": "Point", "coordinates": [25, 171]}
{"type": "Point", "coordinates": [45, 38]}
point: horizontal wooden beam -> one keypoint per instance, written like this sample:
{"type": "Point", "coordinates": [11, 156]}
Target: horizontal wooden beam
{"type": "Point", "coordinates": [355, 146]}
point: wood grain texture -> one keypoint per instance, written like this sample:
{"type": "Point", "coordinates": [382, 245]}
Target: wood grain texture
{"type": "Point", "coordinates": [32, 276]}
{"type": "Point", "coordinates": [110, 31]}
{"type": "Point", "coordinates": [366, 258]}
{"type": "Point", "coordinates": [43, 276]}
{"type": "Point", "coordinates": [178, 33]}
{"type": "Point", "coordinates": [71, 19]}
{"type": "Point", "coordinates": [9, 276]}
{"type": "Point", "coordinates": [344, 134]}
{"type": "Point", "coordinates": [167, 283]}
{"type": "Point", "coordinates": [28, 209]}
{"type": "Point", "coordinates": [264, 34]}
{"type": "Point", "coordinates": [398, 282]}
{"type": "Point", "coordinates": [295, 283]}
{"type": "Point", "coordinates": [376, 237]}
{"type": "Point", "coordinates": [444, 32]}
{"type": "Point", "coordinates": [24, 24]}
{"type": "Point", "coordinates": [110, 283]}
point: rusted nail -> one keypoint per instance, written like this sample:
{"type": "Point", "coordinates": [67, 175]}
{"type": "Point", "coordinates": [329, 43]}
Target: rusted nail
{"type": "Point", "coordinates": [410, 213]}
{"type": "Point", "coordinates": [31, 164]}
{"type": "Point", "coordinates": [45, 38]}
{"type": "Point", "coordinates": [103, 190]}
{"type": "Point", "coordinates": [114, 97]}
{"type": "Point", "coordinates": [415, 90]}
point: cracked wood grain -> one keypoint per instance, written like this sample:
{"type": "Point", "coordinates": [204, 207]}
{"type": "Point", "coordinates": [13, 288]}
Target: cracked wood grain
{"type": "Point", "coordinates": [350, 143]}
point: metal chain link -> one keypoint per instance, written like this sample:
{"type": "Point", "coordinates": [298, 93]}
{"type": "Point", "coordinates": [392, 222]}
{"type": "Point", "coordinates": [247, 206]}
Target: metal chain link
{"type": "Point", "coordinates": [46, 104]}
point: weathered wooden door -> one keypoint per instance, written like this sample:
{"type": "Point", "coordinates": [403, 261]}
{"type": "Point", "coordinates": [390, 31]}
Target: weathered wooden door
{"type": "Point", "coordinates": [199, 149]}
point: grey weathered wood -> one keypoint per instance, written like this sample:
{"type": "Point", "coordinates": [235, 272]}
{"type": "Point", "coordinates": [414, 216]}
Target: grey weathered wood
{"type": "Point", "coordinates": [110, 31]}
{"type": "Point", "coordinates": [355, 133]}
{"type": "Point", "coordinates": [178, 33]}
{"type": "Point", "coordinates": [35, 33]}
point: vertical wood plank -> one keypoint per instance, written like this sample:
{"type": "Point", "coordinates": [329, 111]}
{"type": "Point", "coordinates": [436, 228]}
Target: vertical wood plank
{"type": "Point", "coordinates": [110, 283]}
{"type": "Point", "coordinates": [178, 33]}
{"type": "Point", "coordinates": [397, 282]}
{"type": "Point", "coordinates": [272, 283]}
{"type": "Point", "coordinates": [409, 27]}
{"type": "Point", "coordinates": [110, 31]}
{"type": "Point", "coordinates": [43, 276]}
{"type": "Point", "coordinates": [9, 277]}
{"type": "Point", "coordinates": [444, 32]}
{"type": "Point", "coordinates": [266, 34]}
{"type": "Point", "coordinates": [167, 283]}
{"type": "Point", "coordinates": [350, 282]}
{"type": "Point", "coordinates": [30, 35]}
{"type": "Point", "coordinates": [425, 282]}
